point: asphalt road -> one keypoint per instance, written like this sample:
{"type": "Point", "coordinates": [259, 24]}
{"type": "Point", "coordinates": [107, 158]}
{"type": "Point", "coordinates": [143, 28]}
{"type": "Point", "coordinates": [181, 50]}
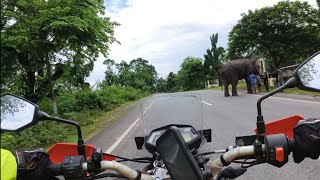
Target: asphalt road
{"type": "Point", "coordinates": [227, 117]}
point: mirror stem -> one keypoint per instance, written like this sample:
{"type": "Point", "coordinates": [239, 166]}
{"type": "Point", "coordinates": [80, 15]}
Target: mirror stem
{"type": "Point", "coordinates": [81, 145]}
{"type": "Point", "coordinates": [260, 120]}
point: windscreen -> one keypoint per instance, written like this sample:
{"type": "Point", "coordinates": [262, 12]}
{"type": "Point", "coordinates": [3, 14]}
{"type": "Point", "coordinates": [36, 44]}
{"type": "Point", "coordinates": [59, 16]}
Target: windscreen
{"type": "Point", "coordinates": [162, 110]}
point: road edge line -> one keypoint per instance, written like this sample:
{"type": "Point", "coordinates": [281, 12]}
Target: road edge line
{"type": "Point", "coordinates": [206, 103]}
{"type": "Point", "coordinates": [123, 135]}
{"type": "Point", "coordinates": [289, 99]}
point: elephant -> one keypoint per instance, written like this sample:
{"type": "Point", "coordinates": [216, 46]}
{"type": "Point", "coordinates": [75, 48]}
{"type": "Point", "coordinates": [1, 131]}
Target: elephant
{"type": "Point", "coordinates": [235, 70]}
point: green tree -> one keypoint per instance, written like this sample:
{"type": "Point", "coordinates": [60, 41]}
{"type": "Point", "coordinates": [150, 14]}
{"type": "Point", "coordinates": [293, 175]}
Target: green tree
{"type": "Point", "coordinates": [191, 74]}
{"type": "Point", "coordinates": [285, 32]}
{"type": "Point", "coordinates": [138, 74]}
{"type": "Point", "coordinates": [172, 84]}
{"type": "Point", "coordinates": [53, 36]}
{"type": "Point", "coordinates": [145, 75]}
{"type": "Point", "coordinates": [161, 85]}
{"type": "Point", "coordinates": [110, 76]}
{"type": "Point", "coordinates": [213, 58]}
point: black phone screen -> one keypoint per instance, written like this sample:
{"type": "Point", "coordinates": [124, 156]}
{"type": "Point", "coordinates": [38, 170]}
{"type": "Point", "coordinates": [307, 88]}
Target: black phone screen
{"type": "Point", "coordinates": [175, 154]}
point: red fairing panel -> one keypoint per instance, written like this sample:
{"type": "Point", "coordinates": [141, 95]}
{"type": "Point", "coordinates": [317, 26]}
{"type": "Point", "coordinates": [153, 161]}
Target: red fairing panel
{"type": "Point", "coordinates": [58, 152]}
{"type": "Point", "coordinates": [285, 126]}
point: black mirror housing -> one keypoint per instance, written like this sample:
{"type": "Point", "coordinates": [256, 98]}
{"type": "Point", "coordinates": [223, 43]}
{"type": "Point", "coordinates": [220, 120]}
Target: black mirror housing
{"type": "Point", "coordinates": [33, 121]}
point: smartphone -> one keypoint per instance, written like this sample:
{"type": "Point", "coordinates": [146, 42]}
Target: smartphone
{"type": "Point", "coordinates": [177, 157]}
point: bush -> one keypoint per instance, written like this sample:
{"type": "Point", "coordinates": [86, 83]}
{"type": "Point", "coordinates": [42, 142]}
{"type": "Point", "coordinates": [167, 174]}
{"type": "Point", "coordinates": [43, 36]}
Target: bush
{"type": "Point", "coordinates": [42, 134]}
{"type": "Point", "coordinates": [81, 106]}
{"type": "Point", "coordinates": [46, 105]}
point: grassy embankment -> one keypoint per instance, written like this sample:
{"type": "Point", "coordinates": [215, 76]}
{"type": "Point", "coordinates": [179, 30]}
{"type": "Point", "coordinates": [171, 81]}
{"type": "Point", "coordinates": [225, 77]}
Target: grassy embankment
{"type": "Point", "coordinates": [93, 110]}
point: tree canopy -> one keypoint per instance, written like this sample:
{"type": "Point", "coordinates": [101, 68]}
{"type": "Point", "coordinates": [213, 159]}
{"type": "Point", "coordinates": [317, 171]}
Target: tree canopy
{"type": "Point", "coordinates": [43, 42]}
{"type": "Point", "coordinates": [172, 83]}
{"type": "Point", "coordinates": [282, 33]}
{"type": "Point", "coordinates": [191, 75]}
{"type": "Point", "coordinates": [213, 58]}
{"type": "Point", "coordinates": [138, 74]}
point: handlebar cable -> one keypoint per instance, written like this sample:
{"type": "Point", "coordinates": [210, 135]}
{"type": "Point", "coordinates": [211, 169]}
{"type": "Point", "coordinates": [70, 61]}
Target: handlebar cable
{"type": "Point", "coordinates": [253, 163]}
{"type": "Point", "coordinates": [212, 152]}
{"type": "Point", "coordinates": [141, 160]}
{"type": "Point", "coordinates": [104, 175]}
{"type": "Point", "coordinates": [134, 160]}
{"type": "Point", "coordinates": [243, 162]}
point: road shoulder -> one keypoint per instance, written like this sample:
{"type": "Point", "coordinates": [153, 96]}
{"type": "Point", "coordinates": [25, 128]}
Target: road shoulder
{"type": "Point", "coordinates": [281, 95]}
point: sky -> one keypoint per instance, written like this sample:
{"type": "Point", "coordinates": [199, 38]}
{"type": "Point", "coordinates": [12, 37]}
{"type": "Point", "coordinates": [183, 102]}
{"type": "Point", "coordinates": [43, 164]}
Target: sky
{"type": "Point", "coordinates": [164, 32]}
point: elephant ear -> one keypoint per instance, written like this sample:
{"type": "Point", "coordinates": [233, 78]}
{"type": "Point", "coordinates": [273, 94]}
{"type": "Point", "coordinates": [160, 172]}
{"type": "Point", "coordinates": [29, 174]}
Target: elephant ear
{"type": "Point", "coordinates": [256, 66]}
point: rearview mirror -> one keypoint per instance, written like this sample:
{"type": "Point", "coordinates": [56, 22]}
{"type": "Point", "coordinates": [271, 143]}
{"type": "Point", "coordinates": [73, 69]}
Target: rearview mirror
{"type": "Point", "coordinates": [308, 74]}
{"type": "Point", "coordinates": [17, 113]}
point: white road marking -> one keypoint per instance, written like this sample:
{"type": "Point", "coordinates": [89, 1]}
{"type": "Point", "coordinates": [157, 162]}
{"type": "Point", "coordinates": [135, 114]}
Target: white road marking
{"type": "Point", "coordinates": [207, 103]}
{"type": "Point", "coordinates": [114, 145]}
{"type": "Point", "coordinates": [122, 137]}
{"type": "Point", "coordinates": [145, 110]}
{"type": "Point", "coordinates": [287, 99]}
{"type": "Point", "coordinates": [279, 98]}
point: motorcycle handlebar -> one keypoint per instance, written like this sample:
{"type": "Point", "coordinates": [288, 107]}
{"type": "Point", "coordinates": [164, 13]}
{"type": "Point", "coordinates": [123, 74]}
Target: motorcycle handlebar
{"type": "Point", "coordinates": [216, 165]}
{"type": "Point", "coordinates": [56, 169]}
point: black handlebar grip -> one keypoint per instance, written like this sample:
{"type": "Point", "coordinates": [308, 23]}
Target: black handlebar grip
{"type": "Point", "coordinates": [291, 143]}
{"type": "Point", "coordinates": [56, 169]}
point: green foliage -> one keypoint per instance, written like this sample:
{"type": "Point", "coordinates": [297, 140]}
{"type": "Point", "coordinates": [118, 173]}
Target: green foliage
{"type": "Point", "coordinates": [161, 85]}
{"type": "Point", "coordinates": [283, 33]}
{"type": "Point", "coordinates": [57, 39]}
{"type": "Point", "coordinates": [81, 106]}
{"type": "Point", "coordinates": [191, 75]}
{"type": "Point", "coordinates": [111, 77]}
{"type": "Point", "coordinates": [42, 134]}
{"type": "Point", "coordinates": [213, 59]}
{"type": "Point", "coordinates": [172, 84]}
{"type": "Point", "coordinates": [138, 74]}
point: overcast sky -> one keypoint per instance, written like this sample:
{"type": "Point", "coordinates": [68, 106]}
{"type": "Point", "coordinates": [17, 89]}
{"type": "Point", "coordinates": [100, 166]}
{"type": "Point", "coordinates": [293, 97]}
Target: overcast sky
{"type": "Point", "coordinates": [166, 31]}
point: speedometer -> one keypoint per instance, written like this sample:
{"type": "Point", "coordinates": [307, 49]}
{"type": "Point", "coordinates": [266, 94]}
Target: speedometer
{"type": "Point", "coordinates": [190, 135]}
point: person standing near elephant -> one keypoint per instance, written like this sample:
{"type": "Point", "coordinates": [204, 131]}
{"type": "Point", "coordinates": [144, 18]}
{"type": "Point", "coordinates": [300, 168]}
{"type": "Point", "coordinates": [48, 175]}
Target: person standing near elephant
{"type": "Point", "coordinates": [280, 78]}
{"type": "Point", "coordinates": [258, 82]}
{"type": "Point", "coordinates": [252, 79]}
{"type": "Point", "coordinates": [271, 83]}
{"type": "Point", "coordinates": [265, 79]}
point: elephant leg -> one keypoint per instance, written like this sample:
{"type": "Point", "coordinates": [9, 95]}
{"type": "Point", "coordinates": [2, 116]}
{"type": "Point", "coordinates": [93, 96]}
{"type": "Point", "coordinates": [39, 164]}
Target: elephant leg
{"type": "Point", "coordinates": [234, 88]}
{"type": "Point", "coordinates": [249, 88]}
{"type": "Point", "coordinates": [226, 90]}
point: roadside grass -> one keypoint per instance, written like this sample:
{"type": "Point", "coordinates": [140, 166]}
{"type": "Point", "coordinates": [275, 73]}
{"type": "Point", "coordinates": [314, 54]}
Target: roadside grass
{"type": "Point", "coordinates": [242, 86]}
{"type": "Point", "coordinates": [98, 120]}
{"type": "Point", "coordinates": [301, 92]}
{"type": "Point", "coordinates": [93, 111]}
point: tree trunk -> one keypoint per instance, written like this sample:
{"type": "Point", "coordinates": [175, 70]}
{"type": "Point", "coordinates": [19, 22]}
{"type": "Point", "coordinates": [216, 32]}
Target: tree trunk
{"type": "Point", "coordinates": [30, 93]}
{"type": "Point", "coordinates": [27, 63]}
{"type": "Point", "coordinates": [50, 83]}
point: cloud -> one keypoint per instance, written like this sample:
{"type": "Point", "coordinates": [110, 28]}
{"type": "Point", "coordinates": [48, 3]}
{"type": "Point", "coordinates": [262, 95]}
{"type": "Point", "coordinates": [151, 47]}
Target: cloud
{"type": "Point", "coordinates": [166, 31]}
